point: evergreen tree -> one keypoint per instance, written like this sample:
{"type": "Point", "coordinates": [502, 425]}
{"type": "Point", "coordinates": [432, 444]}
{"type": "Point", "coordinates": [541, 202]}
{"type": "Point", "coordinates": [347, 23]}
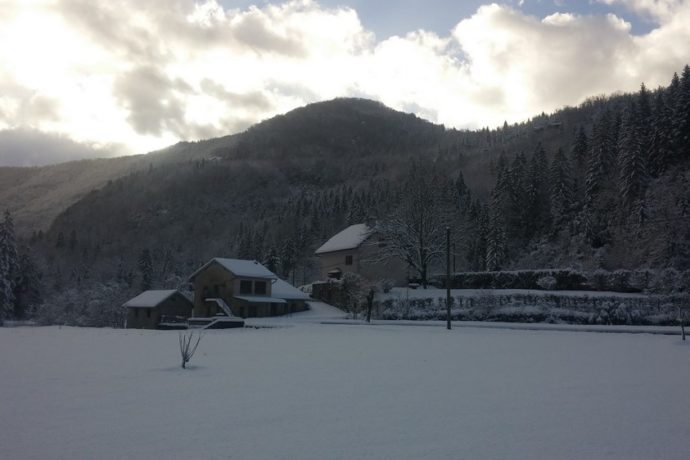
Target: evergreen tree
{"type": "Point", "coordinates": [601, 158]}
{"type": "Point", "coordinates": [27, 290]}
{"type": "Point", "coordinates": [681, 117]}
{"type": "Point", "coordinates": [537, 205]}
{"type": "Point", "coordinates": [9, 266]}
{"type": "Point", "coordinates": [580, 150]}
{"type": "Point", "coordinates": [60, 242]}
{"type": "Point", "coordinates": [561, 189]}
{"type": "Point", "coordinates": [633, 171]}
{"type": "Point", "coordinates": [272, 261]}
{"type": "Point", "coordinates": [72, 240]}
{"type": "Point", "coordinates": [495, 239]}
{"type": "Point", "coordinates": [659, 148]}
{"type": "Point", "coordinates": [288, 257]}
{"type": "Point", "coordinates": [146, 269]}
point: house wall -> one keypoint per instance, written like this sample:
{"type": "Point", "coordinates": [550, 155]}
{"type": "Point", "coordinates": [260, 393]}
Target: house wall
{"type": "Point", "coordinates": [216, 282]}
{"type": "Point", "coordinates": [336, 260]}
{"type": "Point", "coordinates": [393, 269]}
{"type": "Point", "coordinates": [142, 318]}
{"type": "Point", "coordinates": [149, 318]}
{"type": "Point", "coordinates": [213, 282]}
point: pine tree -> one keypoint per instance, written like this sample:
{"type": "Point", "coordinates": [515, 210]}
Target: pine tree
{"type": "Point", "coordinates": [146, 269]}
{"type": "Point", "coordinates": [579, 150]}
{"type": "Point", "coordinates": [288, 257]}
{"type": "Point", "coordinates": [272, 261]}
{"type": "Point", "coordinates": [633, 171]}
{"type": "Point", "coordinates": [72, 240]}
{"type": "Point", "coordinates": [27, 289]}
{"type": "Point", "coordinates": [60, 242]}
{"type": "Point", "coordinates": [681, 117]}
{"type": "Point", "coordinates": [659, 148]}
{"type": "Point", "coordinates": [9, 266]}
{"type": "Point", "coordinates": [561, 189]}
{"type": "Point", "coordinates": [601, 157]}
{"type": "Point", "coordinates": [495, 239]}
{"type": "Point", "coordinates": [537, 205]}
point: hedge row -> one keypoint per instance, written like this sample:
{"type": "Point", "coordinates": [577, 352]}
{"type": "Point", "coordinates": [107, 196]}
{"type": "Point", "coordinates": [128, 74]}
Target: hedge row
{"type": "Point", "coordinates": [667, 281]}
{"type": "Point", "coordinates": [605, 310]}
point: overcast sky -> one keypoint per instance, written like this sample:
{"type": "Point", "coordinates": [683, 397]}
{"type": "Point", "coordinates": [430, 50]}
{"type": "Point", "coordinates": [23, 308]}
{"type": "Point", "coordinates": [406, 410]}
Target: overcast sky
{"type": "Point", "coordinates": [130, 76]}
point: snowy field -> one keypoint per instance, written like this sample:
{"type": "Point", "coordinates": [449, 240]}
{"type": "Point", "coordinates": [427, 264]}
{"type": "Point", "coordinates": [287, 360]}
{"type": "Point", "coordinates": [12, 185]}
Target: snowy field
{"type": "Point", "coordinates": [313, 391]}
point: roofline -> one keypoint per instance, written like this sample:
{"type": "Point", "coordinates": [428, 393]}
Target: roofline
{"type": "Point", "coordinates": [339, 250]}
{"type": "Point", "coordinates": [371, 233]}
{"type": "Point", "coordinates": [174, 291]}
{"type": "Point", "coordinates": [203, 267]}
{"type": "Point", "coordinates": [215, 259]}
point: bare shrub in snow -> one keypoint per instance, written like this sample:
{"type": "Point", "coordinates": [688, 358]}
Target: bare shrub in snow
{"type": "Point", "coordinates": [187, 350]}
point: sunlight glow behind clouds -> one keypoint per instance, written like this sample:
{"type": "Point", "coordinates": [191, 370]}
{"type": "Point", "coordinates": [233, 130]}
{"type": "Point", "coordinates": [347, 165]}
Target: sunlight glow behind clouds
{"type": "Point", "coordinates": [146, 74]}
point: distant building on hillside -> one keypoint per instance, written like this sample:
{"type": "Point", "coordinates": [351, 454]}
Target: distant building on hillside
{"type": "Point", "coordinates": [355, 249]}
{"type": "Point", "coordinates": [242, 288]}
{"type": "Point", "coordinates": [158, 310]}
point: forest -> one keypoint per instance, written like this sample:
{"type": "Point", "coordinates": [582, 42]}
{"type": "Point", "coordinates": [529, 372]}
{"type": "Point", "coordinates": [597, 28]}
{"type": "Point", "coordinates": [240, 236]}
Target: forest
{"type": "Point", "coordinates": [601, 186]}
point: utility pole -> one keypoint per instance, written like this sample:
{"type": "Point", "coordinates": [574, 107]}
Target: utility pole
{"type": "Point", "coordinates": [453, 246]}
{"type": "Point", "coordinates": [448, 278]}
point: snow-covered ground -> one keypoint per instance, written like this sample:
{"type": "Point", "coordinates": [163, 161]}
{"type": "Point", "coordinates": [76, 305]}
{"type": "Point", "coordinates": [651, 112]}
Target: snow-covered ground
{"type": "Point", "coordinates": [314, 391]}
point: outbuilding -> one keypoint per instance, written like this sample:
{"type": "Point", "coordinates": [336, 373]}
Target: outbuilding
{"type": "Point", "coordinates": [164, 309]}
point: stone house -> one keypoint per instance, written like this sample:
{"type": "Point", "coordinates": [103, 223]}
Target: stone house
{"type": "Point", "coordinates": [242, 288]}
{"type": "Point", "coordinates": [168, 309]}
{"type": "Point", "coordinates": [356, 249]}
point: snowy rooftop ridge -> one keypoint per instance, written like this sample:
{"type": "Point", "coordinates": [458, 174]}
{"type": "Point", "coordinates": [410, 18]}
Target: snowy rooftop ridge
{"type": "Point", "coordinates": [350, 238]}
{"type": "Point", "coordinates": [150, 299]}
{"type": "Point", "coordinates": [239, 267]}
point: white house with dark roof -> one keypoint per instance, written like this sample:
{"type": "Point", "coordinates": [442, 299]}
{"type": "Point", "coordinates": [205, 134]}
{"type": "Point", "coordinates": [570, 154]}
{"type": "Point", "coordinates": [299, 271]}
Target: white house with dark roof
{"type": "Point", "coordinates": [158, 309]}
{"type": "Point", "coordinates": [242, 288]}
{"type": "Point", "coordinates": [356, 249]}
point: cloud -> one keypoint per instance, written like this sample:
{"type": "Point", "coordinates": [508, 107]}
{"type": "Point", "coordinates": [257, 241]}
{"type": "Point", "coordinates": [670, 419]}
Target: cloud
{"type": "Point", "coordinates": [655, 9]}
{"type": "Point", "coordinates": [25, 147]}
{"type": "Point", "coordinates": [147, 74]}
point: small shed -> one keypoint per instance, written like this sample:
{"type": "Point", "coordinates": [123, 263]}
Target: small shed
{"type": "Point", "coordinates": [165, 309]}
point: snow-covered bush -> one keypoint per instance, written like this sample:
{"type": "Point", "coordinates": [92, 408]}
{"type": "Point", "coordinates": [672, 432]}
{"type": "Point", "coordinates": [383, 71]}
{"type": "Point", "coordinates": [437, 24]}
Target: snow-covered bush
{"type": "Point", "coordinates": [547, 283]}
{"type": "Point", "coordinates": [95, 305]}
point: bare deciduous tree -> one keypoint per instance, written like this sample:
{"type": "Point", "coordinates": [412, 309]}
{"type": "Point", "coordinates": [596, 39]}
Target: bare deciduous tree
{"type": "Point", "coordinates": [415, 232]}
{"type": "Point", "coordinates": [186, 348]}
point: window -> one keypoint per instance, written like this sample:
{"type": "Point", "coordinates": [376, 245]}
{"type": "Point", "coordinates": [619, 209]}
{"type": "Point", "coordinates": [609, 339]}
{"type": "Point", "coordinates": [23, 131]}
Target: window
{"type": "Point", "coordinates": [136, 312]}
{"type": "Point", "coordinates": [245, 287]}
{"type": "Point", "coordinates": [259, 287]}
{"type": "Point", "coordinates": [348, 260]}
{"type": "Point", "coordinates": [148, 313]}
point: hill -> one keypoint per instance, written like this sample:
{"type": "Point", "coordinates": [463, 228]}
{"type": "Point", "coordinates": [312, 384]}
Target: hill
{"type": "Point", "coordinates": [602, 185]}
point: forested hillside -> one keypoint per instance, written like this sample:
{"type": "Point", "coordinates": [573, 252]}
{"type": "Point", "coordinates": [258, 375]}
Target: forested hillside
{"type": "Point", "coordinates": [603, 185]}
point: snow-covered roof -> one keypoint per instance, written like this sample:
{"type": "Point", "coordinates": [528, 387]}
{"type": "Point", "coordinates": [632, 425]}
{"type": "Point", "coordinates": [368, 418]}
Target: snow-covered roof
{"type": "Point", "coordinates": [284, 290]}
{"type": "Point", "coordinates": [239, 267]}
{"type": "Point", "coordinates": [259, 299]}
{"type": "Point", "coordinates": [151, 299]}
{"type": "Point", "coordinates": [350, 238]}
